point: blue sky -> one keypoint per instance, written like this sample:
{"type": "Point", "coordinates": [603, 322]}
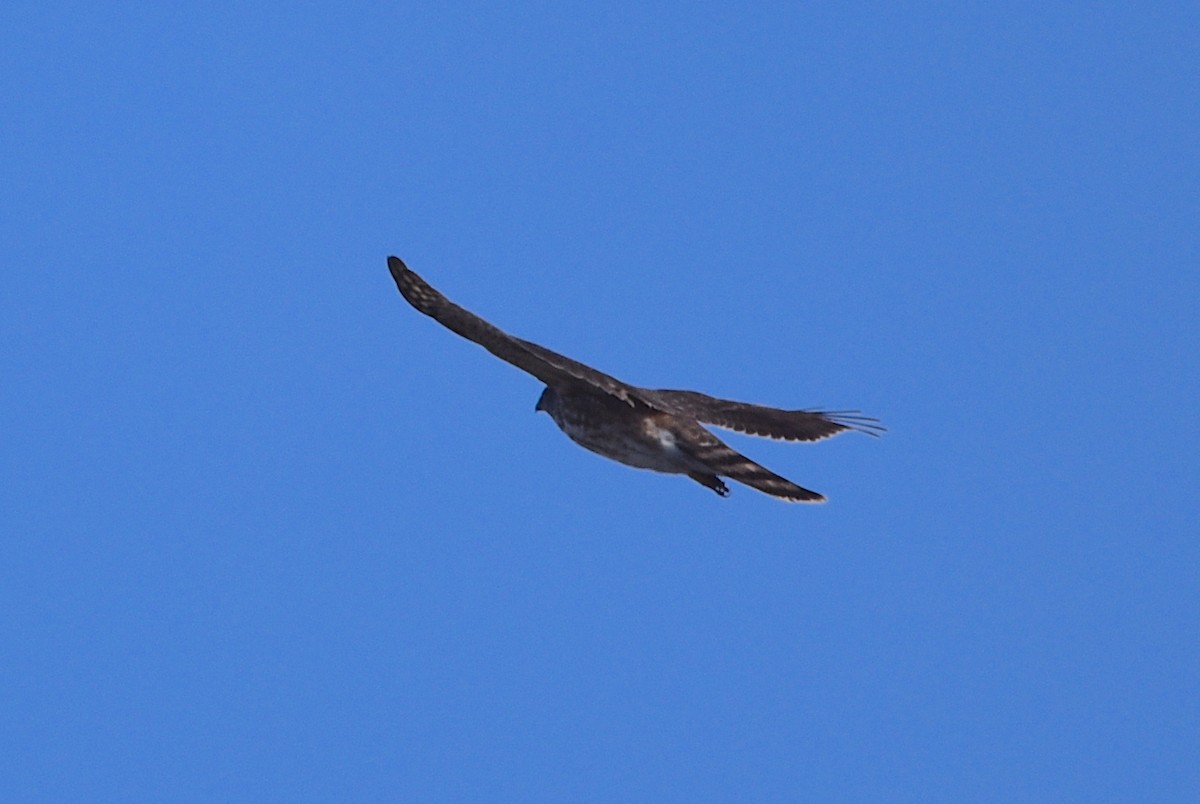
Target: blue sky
{"type": "Point", "coordinates": [269, 534]}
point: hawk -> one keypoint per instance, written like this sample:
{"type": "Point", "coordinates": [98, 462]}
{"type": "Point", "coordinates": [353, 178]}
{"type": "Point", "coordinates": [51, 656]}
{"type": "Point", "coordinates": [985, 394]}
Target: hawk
{"type": "Point", "coordinates": [659, 430]}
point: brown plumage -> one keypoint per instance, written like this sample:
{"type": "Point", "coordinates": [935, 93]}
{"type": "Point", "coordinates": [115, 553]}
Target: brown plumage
{"type": "Point", "coordinates": [649, 429]}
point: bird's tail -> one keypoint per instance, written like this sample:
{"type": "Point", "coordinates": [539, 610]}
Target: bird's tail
{"type": "Point", "coordinates": [721, 459]}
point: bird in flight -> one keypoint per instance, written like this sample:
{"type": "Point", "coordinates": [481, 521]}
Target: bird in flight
{"type": "Point", "coordinates": [659, 430]}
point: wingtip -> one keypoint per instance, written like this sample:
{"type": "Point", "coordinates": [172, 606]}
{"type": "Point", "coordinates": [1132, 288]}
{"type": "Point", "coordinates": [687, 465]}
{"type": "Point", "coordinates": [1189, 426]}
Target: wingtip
{"type": "Point", "coordinates": [396, 266]}
{"type": "Point", "coordinates": [855, 420]}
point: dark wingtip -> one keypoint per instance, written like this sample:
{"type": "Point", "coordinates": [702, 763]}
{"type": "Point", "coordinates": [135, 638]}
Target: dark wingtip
{"type": "Point", "coordinates": [403, 277]}
{"type": "Point", "coordinates": [397, 267]}
{"type": "Point", "coordinates": [415, 290]}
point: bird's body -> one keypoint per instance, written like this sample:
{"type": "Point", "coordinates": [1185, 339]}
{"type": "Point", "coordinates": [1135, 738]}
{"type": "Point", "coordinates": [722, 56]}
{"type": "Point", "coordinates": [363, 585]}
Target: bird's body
{"type": "Point", "coordinates": [659, 441]}
{"type": "Point", "coordinates": [616, 430]}
{"type": "Point", "coordinates": [658, 430]}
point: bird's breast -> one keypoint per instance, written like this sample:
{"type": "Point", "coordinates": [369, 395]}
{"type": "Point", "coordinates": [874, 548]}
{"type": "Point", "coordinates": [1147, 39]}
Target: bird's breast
{"type": "Point", "coordinates": [631, 437]}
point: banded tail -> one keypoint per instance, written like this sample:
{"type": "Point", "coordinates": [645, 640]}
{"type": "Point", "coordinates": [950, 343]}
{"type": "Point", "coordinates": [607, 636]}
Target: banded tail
{"type": "Point", "coordinates": [723, 459]}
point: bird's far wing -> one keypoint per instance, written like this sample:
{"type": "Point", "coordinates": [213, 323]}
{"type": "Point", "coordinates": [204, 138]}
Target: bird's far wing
{"type": "Point", "coordinates": [789, 425]}
{"type": "Point", "coordinates": [549, 367]}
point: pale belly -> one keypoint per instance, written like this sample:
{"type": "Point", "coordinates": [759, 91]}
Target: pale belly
{"type": "Point", "coordinates": [643, 445]}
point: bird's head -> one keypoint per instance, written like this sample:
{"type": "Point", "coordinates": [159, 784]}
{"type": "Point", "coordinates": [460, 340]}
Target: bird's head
{"type": "Point", "coordinates": [548, 401]}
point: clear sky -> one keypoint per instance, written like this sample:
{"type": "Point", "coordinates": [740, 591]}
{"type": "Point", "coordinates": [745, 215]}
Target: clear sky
{"type": "Point", "coordinates": [269, 534]}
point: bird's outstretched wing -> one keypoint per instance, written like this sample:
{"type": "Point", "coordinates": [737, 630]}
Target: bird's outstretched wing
{"type": "Point", "coordinates": [557, 370]}
{"type": "Point", "coordinates": [548, 366]}
{"type": "Point", "coordinates": [758, 420]}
